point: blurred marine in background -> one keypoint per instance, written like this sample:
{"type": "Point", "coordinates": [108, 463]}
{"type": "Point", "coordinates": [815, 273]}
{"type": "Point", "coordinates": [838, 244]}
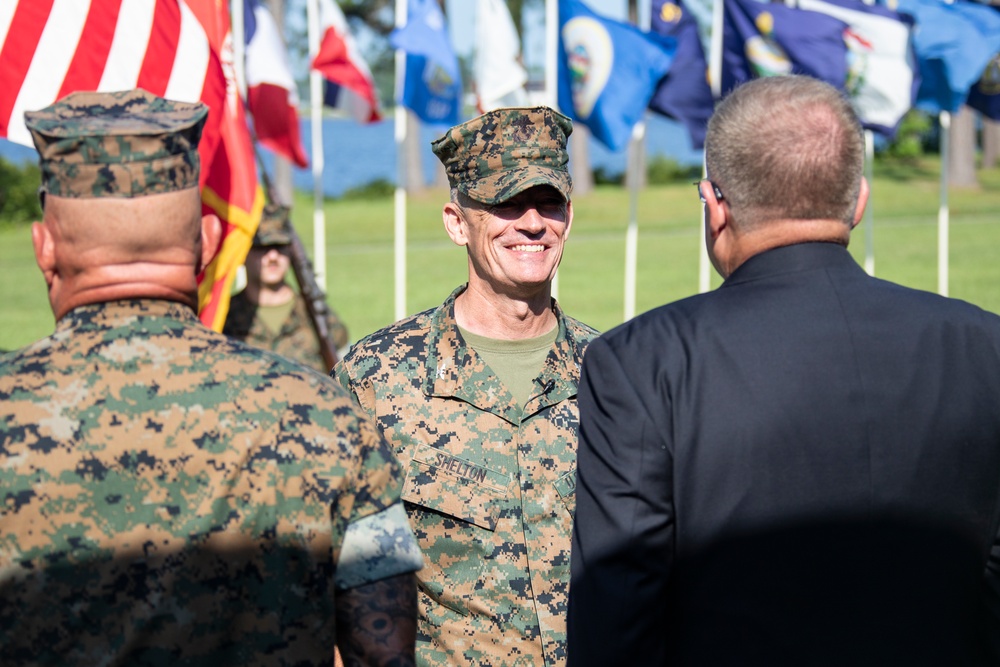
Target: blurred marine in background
{"type": "Point", "coordinates": [270, 314]}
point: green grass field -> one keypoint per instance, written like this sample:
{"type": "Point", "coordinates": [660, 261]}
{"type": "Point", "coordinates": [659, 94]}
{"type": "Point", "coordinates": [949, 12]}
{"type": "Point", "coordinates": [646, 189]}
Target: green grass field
{"type": "Point", "coordinates": [591, 280]}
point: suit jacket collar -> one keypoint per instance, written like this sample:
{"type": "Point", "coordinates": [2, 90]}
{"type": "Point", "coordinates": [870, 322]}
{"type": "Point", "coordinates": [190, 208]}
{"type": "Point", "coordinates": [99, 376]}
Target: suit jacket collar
{"type": "Point", "coordinates": [793, 259]}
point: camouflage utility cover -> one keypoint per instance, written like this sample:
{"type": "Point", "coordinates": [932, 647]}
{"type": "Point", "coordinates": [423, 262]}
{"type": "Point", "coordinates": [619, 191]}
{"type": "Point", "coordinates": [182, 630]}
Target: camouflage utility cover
{"type": "Point", "coordinates": [296, 340]}
{"type": "Point", "coordinates": [172, 496]}
{"type": "Point", "coordinates": [272, 230]}
{"type": "Point", "coordinates": [504, 152]}
{"type": "Point", "coordinates": [123, 144]}
{"type": "Point", "coordinates": [489, 488]}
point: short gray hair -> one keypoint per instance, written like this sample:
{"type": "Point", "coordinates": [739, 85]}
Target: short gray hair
{"type": "Point", "coordinates": [786, 147]}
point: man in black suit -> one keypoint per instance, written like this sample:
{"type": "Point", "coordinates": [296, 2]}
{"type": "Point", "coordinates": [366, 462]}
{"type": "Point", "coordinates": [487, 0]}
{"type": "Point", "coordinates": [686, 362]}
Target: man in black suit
{"type": "Point", "coordinates": [803, 466]}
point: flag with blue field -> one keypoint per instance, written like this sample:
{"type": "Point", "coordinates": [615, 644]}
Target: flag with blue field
{"type": "Point", "coordinates": [608, 71]}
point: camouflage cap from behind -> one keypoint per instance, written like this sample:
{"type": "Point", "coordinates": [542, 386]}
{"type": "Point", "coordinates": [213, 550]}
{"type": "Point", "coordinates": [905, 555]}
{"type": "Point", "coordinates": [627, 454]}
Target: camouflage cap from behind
{"type": "Point", "coordinates": [122, 144]}
{"type": "Point", "coordinates": [272, 231]}
{"type": "Point", "coordinates": [506, 151]}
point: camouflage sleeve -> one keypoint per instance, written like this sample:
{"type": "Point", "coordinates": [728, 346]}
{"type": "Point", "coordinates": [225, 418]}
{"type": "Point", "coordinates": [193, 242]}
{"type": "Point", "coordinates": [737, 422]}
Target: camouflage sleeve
{"type": "Point", "coordinates": [343, 373]}
{"type": "Point", "coordinates": [377, 547]}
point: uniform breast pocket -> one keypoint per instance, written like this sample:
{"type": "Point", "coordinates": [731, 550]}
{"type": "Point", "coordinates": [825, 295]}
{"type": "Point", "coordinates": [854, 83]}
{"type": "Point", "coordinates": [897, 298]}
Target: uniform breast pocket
{"type": "Point", "coordinates": [454, 506]}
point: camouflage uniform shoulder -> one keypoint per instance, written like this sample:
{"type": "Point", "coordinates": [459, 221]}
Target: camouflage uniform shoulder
{"type": "Point", "coordinates": [577, 334]}
{"type": "Point", "coordinates": [400, 349]}
{"type": "Point", "coordinates": [280, 368]}
{"type": "Point", "coordinates": [579, 331]}
{"type": "Point", "coordinates": [404, 327]}
{"type": "Point", "coordinates": [406, 338]}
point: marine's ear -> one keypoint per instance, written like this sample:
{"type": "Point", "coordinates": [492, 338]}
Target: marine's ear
{"type": "Point", "coordinates": [45, 253]}
{"type": "Point", "coordinates": [211, 234]}
{"type": "Point", "coordinates": [455, 224]}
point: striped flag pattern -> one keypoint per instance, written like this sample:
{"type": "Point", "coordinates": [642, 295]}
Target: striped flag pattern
{"type": "Point", "coordinates": [50, 48]}
{"type": "Point", "coordinates": [178, 49]}
{"type": "Point", "coordinates": [349, 83]}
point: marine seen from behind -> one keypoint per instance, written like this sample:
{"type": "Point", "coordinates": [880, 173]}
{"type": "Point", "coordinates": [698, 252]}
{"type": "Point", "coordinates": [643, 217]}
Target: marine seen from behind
{"type": "Point", "coordinates": [174, 496]}
{"type": "Point", "coordinates": [478, 399]}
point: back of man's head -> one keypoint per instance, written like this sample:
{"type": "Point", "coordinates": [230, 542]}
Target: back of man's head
{"type": "Point", "coordinates": [786, 148]}
{"type": "Point", "coordinates": [120, 176]}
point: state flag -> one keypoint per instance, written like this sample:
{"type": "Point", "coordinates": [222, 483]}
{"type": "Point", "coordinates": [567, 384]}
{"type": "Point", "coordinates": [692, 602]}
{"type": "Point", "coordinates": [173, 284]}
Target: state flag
{"type": "Point", "coordinates": [608, 71]}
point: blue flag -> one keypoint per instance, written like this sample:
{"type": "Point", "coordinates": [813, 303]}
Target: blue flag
{"type": "Point", "coordinates": [985, 95]}
{"type": "Point", "coordinates": [432, 88]}
{"type": "Point", "coordinates": [249, 20]}
{"type": "Point", "coordinates": [684, 94]}
{"type": "Point", "coordinates": [954, 43]}
{"type": "Point", "coordinates": [608, 70]}
{"type": "Point", "coordinates": [770, 39]}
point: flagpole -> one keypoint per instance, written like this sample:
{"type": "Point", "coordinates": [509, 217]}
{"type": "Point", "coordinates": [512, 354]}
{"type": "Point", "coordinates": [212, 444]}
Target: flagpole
{"type": "Point", "coordinates": [237, 28]}
{"type": "Point", "coordinates": [945, 119]}
{"type": "Point", "coordinates": [316, 118]}
{"type": "Point", "coordinates": [632, 231]}
{"type": "Point", "coordinates": [715, 82]}
{"type": "Point", "coordinates": [869, 212]}
{"type": "Point", "coordinates": [239, 46]}
{"type": "Point", "coordinates": [399, 201]}
{"type": "Point", "coordinates": [552, 53]}
{"type": "Point", "coordinates": [551, 80]}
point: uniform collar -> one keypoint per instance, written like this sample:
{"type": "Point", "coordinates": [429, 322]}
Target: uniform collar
{"type": "Point", "coordinates": [454, 369]}
{"type": "Point", "coordinates": [118, 313]}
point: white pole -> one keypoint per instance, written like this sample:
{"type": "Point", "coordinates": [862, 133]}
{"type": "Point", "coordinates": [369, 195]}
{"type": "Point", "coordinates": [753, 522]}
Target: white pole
{"type": "Point", "coordinates": [399, 117]}
{"type": "Point", "coordinates": [869, 210]}
{"type": "Point", "coordinates": [715, 81]}
{"type": "Point", "coordinates": [632, 231]}
{"type": "Point", "coordinates": [239, 46]}
{"type": "Point", "coordinates": [945, 119]}
{"type": "Point", "coordinates": [552, 79]}
{"type": "Point", "coordinates": [316, 122]}
{"type": "Point", "coordinates": [552, 53]}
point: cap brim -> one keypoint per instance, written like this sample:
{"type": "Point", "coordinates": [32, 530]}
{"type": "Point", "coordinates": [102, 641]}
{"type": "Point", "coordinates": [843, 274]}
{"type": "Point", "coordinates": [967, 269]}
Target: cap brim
{"type": "Point", "coordinates": [271, 242]}
{"type": "Point", "coordinates": [500, 187]}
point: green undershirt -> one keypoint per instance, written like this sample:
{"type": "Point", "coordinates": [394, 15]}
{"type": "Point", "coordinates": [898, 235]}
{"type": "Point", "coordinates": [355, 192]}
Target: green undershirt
{"type": "Point", "coordinates": [516, 362]}
{"type": "Point", "coordinates": [275, 316]}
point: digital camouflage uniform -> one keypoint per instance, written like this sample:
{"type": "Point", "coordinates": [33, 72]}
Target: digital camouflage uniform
{"type": "Point", "coordinates": [296, 340]}
{"type": "Point", "coordinates": [172, 496]}
{"type": "Point", "coordinates": [489, 488]}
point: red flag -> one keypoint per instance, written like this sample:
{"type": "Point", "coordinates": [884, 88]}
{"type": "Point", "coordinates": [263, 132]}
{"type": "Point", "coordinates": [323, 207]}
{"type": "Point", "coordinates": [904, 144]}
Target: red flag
{"type": "Point", "coordinates": [339, 61]}
{"type": "Point", "coordinates": [176, 49]}
{"type": "Point", "coordinates": [271, 94]}
{"type": "Point", "coordinates": [231, 190]}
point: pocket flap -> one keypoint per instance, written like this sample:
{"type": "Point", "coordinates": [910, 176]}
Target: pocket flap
{"type": "Point", "coordinates": [455, 486]}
